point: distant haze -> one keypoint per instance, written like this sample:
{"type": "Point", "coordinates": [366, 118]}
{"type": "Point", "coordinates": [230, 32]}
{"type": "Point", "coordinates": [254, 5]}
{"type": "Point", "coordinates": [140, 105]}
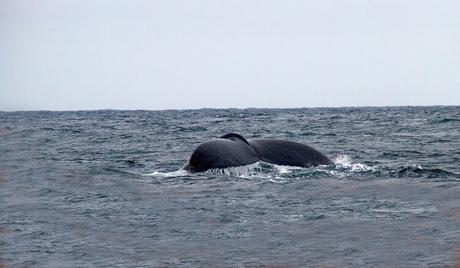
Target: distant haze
{"type": "Point", "coordinates": [75, 55]}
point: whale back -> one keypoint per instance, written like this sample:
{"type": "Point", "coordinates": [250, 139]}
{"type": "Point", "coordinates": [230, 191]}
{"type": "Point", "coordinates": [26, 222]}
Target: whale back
{"type": "Point", "coordinates": [288, 153]}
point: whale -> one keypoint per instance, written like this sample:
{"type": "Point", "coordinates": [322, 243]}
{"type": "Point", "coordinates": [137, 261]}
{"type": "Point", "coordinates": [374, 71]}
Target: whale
{"type": "Point", "coordinates": [232, 150]}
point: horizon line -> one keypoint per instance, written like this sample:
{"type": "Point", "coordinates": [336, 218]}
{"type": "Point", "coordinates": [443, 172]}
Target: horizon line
{"type": "Point", "coordinates": [226, 108]}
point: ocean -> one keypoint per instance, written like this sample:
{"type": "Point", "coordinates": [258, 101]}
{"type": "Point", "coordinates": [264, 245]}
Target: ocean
{"type": "Point", "coordinates": [104, 189]}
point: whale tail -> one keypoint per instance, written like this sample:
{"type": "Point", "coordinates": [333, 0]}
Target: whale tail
{"type": "Point", "coordinates": [288, 153]}
{"type": "Point", "coordinates": [232, 150]}
{"type": "Point", "coordinates": [234, 137]}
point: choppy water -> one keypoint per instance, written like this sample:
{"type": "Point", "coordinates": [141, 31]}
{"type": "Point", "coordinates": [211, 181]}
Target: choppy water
{"type": "Point", "coordinates": [102, 188]}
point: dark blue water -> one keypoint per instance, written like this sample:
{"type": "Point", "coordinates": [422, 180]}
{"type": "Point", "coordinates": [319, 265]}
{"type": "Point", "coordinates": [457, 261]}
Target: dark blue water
{"type": "Point", "coordinates": [102, 188]}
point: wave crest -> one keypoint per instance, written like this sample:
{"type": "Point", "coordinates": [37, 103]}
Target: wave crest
{"type": "Point", "coordinates": [345, 162]}
{"type": "Point", "coordinates": [343, 167]}
{"type": "Point", "coordinates": [417, 170]}
{"type": "Point", "coordinates": [177, 173]}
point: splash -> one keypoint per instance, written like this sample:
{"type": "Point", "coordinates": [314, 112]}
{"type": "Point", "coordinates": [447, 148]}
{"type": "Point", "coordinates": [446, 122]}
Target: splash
{"type": "Point", "coordinates": [246, 171]}
{"type": "Point", "coordinates": [345, 162]}
{"type": "Point", "coordinates": [177, 173]}
{"type": "Point", "coordinates": [342, 167]}
{"type": "Point", "coordinates": [286, 169]}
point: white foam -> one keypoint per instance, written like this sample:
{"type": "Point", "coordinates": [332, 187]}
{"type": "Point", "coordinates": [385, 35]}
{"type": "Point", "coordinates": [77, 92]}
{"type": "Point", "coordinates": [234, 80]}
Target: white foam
{"type": "Point", "coordinates": [278, 180]}
{"type": "Point", "coordinates": [177, 173]}
{"type": "Point", "coordinates": [259, 169]}
{"type": "Point", "coordinates": [285, 169]}
{"type": "Point", "coordinates": [277, 173]}
{"type": "Point", "coordinates": [239, 171]}
{"type": "Point", "coordinates": [420, 210]}
{"type": "Point", "coordinates": [345, 161]}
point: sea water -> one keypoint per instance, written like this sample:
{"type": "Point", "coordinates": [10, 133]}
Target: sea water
{"type": "Point", "coordinates": [105, 189]}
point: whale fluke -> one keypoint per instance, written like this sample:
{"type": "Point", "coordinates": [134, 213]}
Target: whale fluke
{"type": "Point", "coordinates": [231, 150]}
{"type": "Point", "coordinates": [288, 153]}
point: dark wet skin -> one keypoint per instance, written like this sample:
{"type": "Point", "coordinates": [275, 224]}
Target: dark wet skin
{"type": "Point", "coordinates": [232, 150]}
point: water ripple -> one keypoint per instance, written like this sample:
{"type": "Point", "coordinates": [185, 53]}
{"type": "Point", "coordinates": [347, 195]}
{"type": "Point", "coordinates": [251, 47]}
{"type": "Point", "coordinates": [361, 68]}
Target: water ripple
{"type": "Point", "coordinates": [106, 189]}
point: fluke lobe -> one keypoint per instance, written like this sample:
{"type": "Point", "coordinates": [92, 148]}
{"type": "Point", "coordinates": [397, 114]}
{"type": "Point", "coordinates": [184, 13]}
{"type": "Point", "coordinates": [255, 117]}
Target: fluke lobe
{"type": "Point", "coordinates": [231, 150]}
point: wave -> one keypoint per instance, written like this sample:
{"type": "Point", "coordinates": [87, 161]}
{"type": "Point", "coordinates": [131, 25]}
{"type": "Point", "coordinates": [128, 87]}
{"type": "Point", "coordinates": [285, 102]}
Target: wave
{"type": "Point", "coordinates": [343, 167]}
{"type": "Point", "coordinates": [177, 173]}
{"type": "Point", "coordinates": [345, 162]}
{"type": "Point", "coordinates": [416, 170]}
{"type": "Point", "coordinates": [448, 120]}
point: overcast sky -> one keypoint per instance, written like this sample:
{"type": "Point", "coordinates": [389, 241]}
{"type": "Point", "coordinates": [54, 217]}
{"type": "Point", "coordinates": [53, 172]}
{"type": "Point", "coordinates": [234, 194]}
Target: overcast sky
{"type": "Point", "coordinates": [145, 54]}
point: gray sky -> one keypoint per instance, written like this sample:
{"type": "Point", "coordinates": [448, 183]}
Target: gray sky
{"type": "Point", "coordinates": [69, 55]}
